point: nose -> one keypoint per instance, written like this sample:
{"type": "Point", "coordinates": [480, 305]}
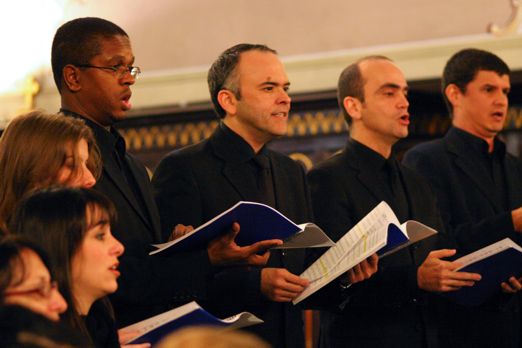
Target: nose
{"type": "Point", "coordinates": [284, 97]}
{"type": "Point", "coordinates": [502, 99]}
{"type": "Point", "coordinates": [118, 248]}
{"type": "Point", "coordinates": [403, 101]}
{"type": "Point", "coordinates": [57, 303]}
{"type": "Point", "coordinates": [88, 179]}
{"type": "Point", "coordinates": [128, 79]}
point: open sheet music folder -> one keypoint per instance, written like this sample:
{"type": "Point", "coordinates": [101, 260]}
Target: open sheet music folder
{"type": "Point", "coordinates": [155, 328]}
{"type": "Point", "coordinates": [378, 232]}
{"type": "Point", "coordinates": [257, 222]}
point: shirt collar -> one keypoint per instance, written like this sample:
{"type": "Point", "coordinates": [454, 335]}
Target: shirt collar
{"type": "Point", "coordinates": [368, 158]}
{"type": "Point", "coordinates": [236, 147]}
{"type": "Point", "coordinates": [479, 146]}
{"type": "Point", "coordinates": [107, 140]}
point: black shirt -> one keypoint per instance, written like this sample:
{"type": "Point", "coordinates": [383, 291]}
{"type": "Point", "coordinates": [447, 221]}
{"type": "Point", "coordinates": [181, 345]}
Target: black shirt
{"type": "Point", "coordinates": [256, 163]}
{"type": "Point", "coordinates": [491, 163]}
{"type": "Point", "coordinates": [389, 177]}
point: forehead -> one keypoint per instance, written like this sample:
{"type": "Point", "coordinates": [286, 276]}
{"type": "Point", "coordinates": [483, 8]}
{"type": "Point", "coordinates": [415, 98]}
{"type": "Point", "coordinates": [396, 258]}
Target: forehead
{"type": "Point", "coordinates": [380, 72]}
{"type": "Point", "coordinates": [114, 47]}
{"type": "Point", "coordinates": [94, 214]}
{"type": "Point", "coordinates": [34, 268]}
{"type": "Point", "coordinates": [483, 77]}
{"type": "Point", "coordinates": [258, 66]}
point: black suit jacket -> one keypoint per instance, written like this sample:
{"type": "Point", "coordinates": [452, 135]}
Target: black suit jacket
{"type": "Point", "coordinates": [469, 213]}
{"type": "Point", "coordinates": [194, 184]}
{"type": "Point", "coordinates": [148, 285]}
{"type": "Point", "coordinates": [387, 310]}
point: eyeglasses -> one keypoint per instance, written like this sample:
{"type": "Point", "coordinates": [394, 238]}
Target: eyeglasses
{"type": "Point", "coordinates": [120, 69]}
{"type": "Point", "coordinates": [44, 290]}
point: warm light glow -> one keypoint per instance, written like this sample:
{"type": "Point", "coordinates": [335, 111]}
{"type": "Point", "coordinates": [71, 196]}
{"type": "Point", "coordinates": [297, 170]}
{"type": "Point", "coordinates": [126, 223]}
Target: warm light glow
{"type": "Point", "coordinates": [26, 29]}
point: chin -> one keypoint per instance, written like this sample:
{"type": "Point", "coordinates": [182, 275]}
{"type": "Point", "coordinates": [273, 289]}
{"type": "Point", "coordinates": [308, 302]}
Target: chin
{"type": "Point", "coordinates": [118, 116]}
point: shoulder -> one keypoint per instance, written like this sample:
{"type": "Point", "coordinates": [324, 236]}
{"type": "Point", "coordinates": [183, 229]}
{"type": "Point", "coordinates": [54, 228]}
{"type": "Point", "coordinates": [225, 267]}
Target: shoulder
{"type": "Point", "coordinates": [428, 154]}
{"type": "Point", "coordinates": [337, 165]}
{"type": "Point", "coordinates": [188, 152]}
{"type": "Point", "coordinates": [427, 148]}
{"type": "Point", "coordinates": [283, 160]}
{"type": "Point", "coordinates": [184, 156]}
{"type": "Point", "coordinates": [514, 161]}
{"type": "Point", "coordinates": [411, 175]}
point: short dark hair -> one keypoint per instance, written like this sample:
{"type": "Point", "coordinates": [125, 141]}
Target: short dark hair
{"type": "Point", "coordinates": [351, 84]}
{"type": "Point", "coordinates": [78, 41]}
{"type": "Point", "coordinates": [56, 219]}
{"type": "Point", "coordinates": [464, 65]}
{"type": "Point", "coordinates": [221, 74]}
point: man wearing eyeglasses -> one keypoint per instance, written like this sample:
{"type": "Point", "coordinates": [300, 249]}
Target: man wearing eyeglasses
{"type": "Point", "coordinates": [92, 63]}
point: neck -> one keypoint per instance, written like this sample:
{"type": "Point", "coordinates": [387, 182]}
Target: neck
{"type": "Point", "coordinates": [256, 141]}
{"type": "Point", "coordinates": [74, 105]}
{"type": "Point", "coordinates": [489, 138]}
{"type": "Point", "coordinates": [84, 304]}
{"type": "Point", "coordinates": [375, 142]}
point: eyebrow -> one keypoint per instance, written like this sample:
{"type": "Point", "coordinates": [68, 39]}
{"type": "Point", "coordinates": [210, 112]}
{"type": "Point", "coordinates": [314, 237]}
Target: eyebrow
{"type": "Point", "coordinates": [275, 84]}
{"type": "Point", "coordinates": [101, 223]}
{"type": "Point", "coordinates": [393, 86]}
{"type": "Point", "coordinates": [122, 58]}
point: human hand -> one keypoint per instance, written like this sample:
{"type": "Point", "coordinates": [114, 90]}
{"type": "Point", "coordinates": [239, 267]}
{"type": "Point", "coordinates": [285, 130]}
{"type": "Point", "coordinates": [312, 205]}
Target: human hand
{"type": "Point", "coordinates": [436, 274]}
{"type": "Point", "coordinates": [512, 286]}
{"type": "Point", "coordinates": [363, 270]}
{"type": "Point", "coordinates": [224, 250]}
{"type": "Point", "coordinates": [179, 231]}
{"type": "Point", "coordinates": [279, 285]}
{"type": "Point", "coordinates": [516, 216]}
{"type": "Point", "coordinates": [127, 335]}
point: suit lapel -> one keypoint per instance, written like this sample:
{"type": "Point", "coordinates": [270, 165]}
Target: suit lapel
{"type": "Point", "coordinates": [150, 204]}
{"type": "Point", "coordinates": [114, 174]}
{"type": "Point", "coordinates": [411, 194]}
{"type": "Point", "coordinates": [367, 178]}
{"type": "Point", "coordinates": [235, 175]}
{"type": "Point", "coordinates": [281, 183]}
{"type": "Point", "coordinates": [234, 165]}
{"type": "Point", "coordinates": [514, 184]}
{"type": "Point", "coordinates": [474, 173]}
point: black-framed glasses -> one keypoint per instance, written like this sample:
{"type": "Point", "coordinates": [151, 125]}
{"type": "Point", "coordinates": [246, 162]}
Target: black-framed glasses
{"type": "Point", "coordinates": [120, 69]}
{"type": "Point", "coordinates": [44, 290]}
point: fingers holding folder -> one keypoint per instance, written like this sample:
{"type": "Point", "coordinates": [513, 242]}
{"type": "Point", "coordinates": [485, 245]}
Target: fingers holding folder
{"type": "Point", "coordinates": [363, 270]}
{"type": "Point", "coordinates": [512, 286]}
{"type": "Point", "coordinates": [279, 285]}
{"type": "Point", "coordinates": [224, 250]}
{"type": "Point", "coordinates": [436, 274]}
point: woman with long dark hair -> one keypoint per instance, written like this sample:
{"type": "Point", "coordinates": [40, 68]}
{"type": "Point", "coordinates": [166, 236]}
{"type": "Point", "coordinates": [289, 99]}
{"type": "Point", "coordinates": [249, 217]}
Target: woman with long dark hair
{"type": "Point", "coordinates": [73, 227]}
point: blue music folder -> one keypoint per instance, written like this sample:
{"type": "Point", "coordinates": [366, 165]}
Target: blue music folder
{"type": "Point", "coordinates": [257, 222]}
{"type": "Point", "coordinates": [152, 330]}
{"type": "Point", "coordinates": [496, 263]}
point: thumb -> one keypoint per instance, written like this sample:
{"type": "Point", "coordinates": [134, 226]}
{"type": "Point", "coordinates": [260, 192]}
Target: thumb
{"type": "Point", "coordinates": [232, 234]}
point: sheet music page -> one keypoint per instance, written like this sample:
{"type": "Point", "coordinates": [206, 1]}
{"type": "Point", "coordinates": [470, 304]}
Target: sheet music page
{"type": "Point", "coordinates": [486, 252]}
{"type": "Point", "coordinates": [364, 239]}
